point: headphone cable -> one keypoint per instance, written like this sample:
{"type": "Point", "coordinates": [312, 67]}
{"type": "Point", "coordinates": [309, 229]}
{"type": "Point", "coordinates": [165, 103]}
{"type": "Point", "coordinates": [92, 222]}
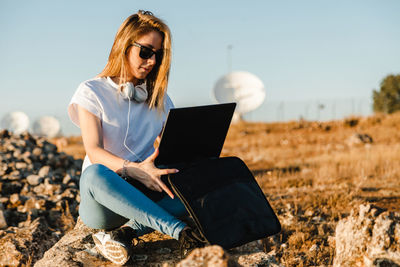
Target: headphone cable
{"type": "Point", "coordinates": [127, 129]}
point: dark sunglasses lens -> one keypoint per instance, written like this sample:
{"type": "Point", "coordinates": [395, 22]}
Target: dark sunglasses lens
{"type": "Point", "coordinates": [146, 52]}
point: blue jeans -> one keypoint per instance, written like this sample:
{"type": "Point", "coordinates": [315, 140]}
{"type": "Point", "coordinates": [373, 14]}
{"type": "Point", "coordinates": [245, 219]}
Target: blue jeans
{"type": "Point", "coordinates": [108, 202]}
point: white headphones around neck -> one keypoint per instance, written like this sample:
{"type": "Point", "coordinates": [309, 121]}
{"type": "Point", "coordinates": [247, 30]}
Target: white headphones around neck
{"type": "Point", "coordinates": [137, 93]}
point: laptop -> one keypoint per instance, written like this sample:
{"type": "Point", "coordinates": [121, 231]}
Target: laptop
{"type": "Point", "coordinates": [191, 134]}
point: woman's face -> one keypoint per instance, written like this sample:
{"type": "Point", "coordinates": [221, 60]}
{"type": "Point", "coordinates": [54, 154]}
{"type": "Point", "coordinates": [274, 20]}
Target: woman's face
{"type": "Point", "coordinates": [139, 68]}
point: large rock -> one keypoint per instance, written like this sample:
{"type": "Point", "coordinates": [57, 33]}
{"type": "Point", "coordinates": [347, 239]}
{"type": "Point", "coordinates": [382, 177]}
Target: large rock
{"type": "Point", "coordinates": [25, 244]}
{"type": "Point", "coordinates": [370, 237]}
{"type": "Point", "coordinates": [76, 248]}
{"type": "Point", "coordinates": [215, 256]}
{"type": "Point", "coordinates": [208, 256]}
{"type": "Point", "coordinates": [72, 250]}
{"type": "Point", "coordinates": [259, 259]}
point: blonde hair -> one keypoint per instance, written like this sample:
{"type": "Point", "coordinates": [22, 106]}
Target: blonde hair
{"type": "Point", "coordinates": [130, 30]}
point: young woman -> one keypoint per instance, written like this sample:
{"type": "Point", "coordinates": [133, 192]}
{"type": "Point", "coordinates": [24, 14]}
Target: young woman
{"type": "Point", "coordinates": [121, 113]}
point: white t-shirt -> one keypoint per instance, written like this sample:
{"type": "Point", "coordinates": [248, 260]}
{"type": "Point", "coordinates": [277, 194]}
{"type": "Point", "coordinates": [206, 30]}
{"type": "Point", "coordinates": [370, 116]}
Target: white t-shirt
{"type": "Point", "coordinates": [101, 97]}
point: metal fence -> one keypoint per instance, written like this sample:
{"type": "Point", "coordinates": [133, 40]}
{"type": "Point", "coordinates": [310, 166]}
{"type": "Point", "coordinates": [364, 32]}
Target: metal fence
{"type": "Point", "coordinates": [319, 109]}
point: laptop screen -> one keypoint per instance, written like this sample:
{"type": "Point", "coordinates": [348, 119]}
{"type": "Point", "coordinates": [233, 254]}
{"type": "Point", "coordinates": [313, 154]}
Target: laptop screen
{"type": "Point", "coordinates": [194, 133]}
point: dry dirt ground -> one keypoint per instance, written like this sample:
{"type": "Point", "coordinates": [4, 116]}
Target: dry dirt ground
{"type": "Point", "coordinates": [313, 174]}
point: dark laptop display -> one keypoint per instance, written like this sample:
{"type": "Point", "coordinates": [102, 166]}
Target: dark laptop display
{"type": "Point", "coordinates": [194, 133]}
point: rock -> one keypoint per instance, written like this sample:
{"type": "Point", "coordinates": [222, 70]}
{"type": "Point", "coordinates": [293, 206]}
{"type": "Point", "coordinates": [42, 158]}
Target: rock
{"type": "Point", "coordinates": [14, 175]}
{"type": "Point", "coordinates": [369, 237]}
{"type": "Point", "coordinates": [359, 139]}
{"type": "Point", "coordinates": [43, 211]}
{"type": "Point", "coordinates": [27, 244]}
{"type": "Point", "coordinates": [14, 199]}
{"type": "Point", "coordinates": [48, 147]}
{"type": "Point", "coordinates": [3, 223]}
{"type": "Point", "coordinates": [208, 256]}
{"type": "Point", "coordinates": [9, 255]}
{"type": "Point", "coordinates": [21, 165]}
{"type": "Point", "coordinates": [67, 178]}
{"type": "Point", "coordinates": [351, 122]}
{"type": "Point", "coordinates": [37, 151]}
{"type": "Point", "coordinates": [34, 179]}
{"type": "Point", "coordinates": [44, 171]}
{"type": "Point", "coordinates": [259, 259]}
{"type": "Point", "coordinates": [75, 248]}
{"type": "Point", "coordinates": [71, 250]}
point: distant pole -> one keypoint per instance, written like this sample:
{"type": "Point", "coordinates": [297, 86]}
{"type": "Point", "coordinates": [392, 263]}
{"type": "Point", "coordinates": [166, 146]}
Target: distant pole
{"type": "Point", "coordinates": [229, 49]}
{"type": "Point", "coordinates": [319, 108]}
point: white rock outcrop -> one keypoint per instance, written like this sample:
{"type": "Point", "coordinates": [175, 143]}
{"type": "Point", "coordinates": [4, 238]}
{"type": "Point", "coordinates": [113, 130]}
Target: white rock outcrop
{"type": "Point", "coordinates": [369, 237]}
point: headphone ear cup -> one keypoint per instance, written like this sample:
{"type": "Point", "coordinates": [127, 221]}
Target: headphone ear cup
{"type": "Point", "coordinates": [137, 93]}
{"type": "Point", "coordinates": [140, 93]}
{"type": "Point", "coordinates": [127, 91]}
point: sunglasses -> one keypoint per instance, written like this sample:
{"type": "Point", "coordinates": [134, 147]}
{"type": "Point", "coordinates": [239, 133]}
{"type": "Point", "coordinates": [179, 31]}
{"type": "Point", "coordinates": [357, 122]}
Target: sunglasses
{"type": "Point", "coordinates": [147, 52]}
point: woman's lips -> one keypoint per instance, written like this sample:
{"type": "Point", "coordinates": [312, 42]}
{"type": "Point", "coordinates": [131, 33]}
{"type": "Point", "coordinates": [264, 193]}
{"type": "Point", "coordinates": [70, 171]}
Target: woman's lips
{"type": "Point", "coordinates": [146, 69]}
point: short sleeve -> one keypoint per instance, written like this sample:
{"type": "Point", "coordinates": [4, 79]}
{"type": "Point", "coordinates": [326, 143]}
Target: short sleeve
{"type": "Point", "coordinates": [168, 104]}
{"type": "Point", "coordinates": [86, 98]}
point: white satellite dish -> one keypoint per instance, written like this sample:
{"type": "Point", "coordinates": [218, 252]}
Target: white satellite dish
{"type": "Point", "coordinates": [242, 87]}
{"type": "Point", "coordinates": [47, 126]}
{"type": "Point", "coordinates": [16, 122]}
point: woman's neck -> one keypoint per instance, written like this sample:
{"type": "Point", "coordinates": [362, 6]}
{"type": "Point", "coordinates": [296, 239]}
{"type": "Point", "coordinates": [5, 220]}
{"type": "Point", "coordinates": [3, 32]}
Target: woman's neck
{"type": "Point", "coordinates": [132, 80]}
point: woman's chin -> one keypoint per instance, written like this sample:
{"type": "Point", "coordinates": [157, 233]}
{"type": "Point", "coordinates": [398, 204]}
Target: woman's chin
{"type": "Point", "coordinates": [141, 75]}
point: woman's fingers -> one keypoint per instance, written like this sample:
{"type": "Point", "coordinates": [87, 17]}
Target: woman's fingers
{"type": "Point", "coordinates": [161, 184]}
{"type": "Point", "coordinates": [164, 187]}
{"type": "Point", "coordinates": [167, 171]}
{"type": "Point", "coordinates": [156, 187]}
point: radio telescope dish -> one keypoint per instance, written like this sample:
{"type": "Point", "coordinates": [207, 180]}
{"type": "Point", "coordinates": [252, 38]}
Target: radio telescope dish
{"type": "Point", "coordinates": [242, 87]}
{"type": "Point", "coordinates": [16, 122]}
{"type": "Point", "coordinates": [47, 126]}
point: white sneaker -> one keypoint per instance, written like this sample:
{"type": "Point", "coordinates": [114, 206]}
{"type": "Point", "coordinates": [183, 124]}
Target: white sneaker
{"type": "Point", "coordinates": [115, 245]}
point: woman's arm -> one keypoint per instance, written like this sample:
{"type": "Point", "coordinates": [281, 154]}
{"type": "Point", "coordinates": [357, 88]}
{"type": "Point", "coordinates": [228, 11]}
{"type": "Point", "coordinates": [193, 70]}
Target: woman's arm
{"type": "Point", "coordinates": [92, 137]}
{"type": "Point", "coordinates": [145, 171]}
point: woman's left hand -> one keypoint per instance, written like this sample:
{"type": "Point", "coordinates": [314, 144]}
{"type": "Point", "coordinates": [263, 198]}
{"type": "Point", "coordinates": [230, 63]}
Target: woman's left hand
{"type": "Point", "coordinates": [149, 175]}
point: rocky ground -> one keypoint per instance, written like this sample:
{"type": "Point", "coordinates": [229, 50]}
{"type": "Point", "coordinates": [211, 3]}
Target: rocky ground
{"type": "Point", "coordinates": [39, 197]}
{"type": "Point", "coordinates": [334, 186]}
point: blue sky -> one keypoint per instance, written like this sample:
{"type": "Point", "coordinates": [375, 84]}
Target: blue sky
{"type": "Point", "coordinates": [301, 50]}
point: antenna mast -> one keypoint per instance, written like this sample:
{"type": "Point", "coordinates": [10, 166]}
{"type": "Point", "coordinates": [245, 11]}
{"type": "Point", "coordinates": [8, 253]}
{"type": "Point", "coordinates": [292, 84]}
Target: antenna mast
{"type": "Point", "coordinates": [229, 49]}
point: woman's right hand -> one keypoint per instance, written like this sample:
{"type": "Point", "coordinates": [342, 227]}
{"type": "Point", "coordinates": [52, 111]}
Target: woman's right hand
{"type": "Point", "coordinates": [149, 175]}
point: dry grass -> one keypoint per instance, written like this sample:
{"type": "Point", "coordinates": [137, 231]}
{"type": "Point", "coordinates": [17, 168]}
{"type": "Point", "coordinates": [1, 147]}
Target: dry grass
{"type": "Point", "coordinates": [313, 176]}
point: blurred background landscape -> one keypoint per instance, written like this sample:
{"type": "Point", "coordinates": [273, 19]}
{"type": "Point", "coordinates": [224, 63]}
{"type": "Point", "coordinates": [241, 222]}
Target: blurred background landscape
{"type": "Point", "coordinates": [318, 61]}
